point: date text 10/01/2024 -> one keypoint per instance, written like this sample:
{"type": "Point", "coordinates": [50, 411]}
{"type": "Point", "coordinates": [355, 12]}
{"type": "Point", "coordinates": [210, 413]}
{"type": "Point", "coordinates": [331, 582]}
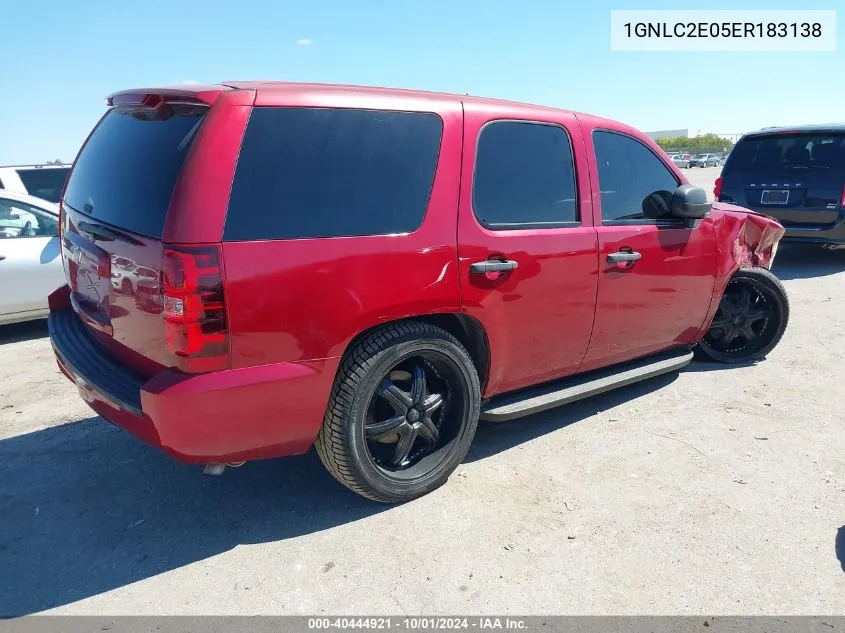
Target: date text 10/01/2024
{"type": "Point", "coordinates": [417, 623]}
{"type": "Point", "coordinates": [723, 29]}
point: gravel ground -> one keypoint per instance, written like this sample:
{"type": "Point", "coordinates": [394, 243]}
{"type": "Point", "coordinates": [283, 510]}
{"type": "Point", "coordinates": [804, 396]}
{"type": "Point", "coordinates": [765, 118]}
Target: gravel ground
{"type": "Point", "coordinates": [716, 491]}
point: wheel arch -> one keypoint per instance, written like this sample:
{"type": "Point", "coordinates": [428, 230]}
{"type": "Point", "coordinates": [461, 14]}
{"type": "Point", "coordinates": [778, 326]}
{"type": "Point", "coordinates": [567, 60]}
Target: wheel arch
{"type": "Point", "coordinates": [468, 330]}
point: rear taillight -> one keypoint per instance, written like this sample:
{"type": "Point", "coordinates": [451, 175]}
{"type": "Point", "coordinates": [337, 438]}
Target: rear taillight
{"type": "Point", "coordinates": [717, 189]}
{"type": "Point", "coordinates": [842, 201]}
{"type": "Point", "coordinates": [194, 308]}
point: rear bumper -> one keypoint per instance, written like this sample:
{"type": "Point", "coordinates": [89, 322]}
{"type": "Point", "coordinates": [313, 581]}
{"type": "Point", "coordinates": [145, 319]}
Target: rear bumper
{"type": "Point", "coordinates": [226, 416]}
{"type": "Point", "coordinates": [828, 234]}
{"type": "Point", "coordinates": [798, 232]}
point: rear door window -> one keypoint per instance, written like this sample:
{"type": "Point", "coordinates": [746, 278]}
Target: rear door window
{"type": "Point", "coordinates": [328, 172]}
{"type": "Point", "coordinates": [128, 169]}
{"type": "Point", "coordinates": [44, 183]}
{"type": "Point", "coordinates": [788, 154]}
{"type": "Point", "coordinates": [524, 176]}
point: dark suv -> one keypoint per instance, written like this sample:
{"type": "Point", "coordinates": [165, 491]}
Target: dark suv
{"type": "Point", "coordinates": [796, 175]}
{"type": "Point", "coordinates": [370, 271]}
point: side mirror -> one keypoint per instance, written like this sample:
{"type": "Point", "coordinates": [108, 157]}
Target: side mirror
{"type": "Point", "coordinates": [690, 202]}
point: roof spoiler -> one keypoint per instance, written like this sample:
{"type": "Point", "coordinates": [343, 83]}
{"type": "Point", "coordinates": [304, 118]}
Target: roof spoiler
{"type": "Point", "coordinates": [156, 97]}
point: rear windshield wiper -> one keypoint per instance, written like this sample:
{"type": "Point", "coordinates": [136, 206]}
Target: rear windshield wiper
{"type": "Point", "coordinates": [106, 234]}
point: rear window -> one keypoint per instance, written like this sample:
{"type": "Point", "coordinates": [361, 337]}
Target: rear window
{"type": "Point", "coordinates": [788, 153]}
{"type": "Point", "coordinates": [46, 184]}
{"type": "Point", "coordinates": [326, 172]}
{"type": "Point", "coordinates": [127, 170]}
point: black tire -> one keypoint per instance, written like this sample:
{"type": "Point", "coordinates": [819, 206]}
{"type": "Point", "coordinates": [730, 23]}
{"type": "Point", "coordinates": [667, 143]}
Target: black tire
{"type": "Point", "coordinates": [742, 330]}
{"type": "Point", "coordinates": [361, 394]}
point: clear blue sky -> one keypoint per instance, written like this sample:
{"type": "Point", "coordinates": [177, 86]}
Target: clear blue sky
{"type": "Point", "coordinates": [62, 58]}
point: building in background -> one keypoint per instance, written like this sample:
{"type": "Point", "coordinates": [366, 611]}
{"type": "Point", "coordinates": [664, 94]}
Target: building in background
{"type": "Point", "coordinates": [668, 134]}
{"type": "Point", "coordinates": [693, 133]}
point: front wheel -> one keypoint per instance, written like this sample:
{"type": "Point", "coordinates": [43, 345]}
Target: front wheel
{"type": "Point", "coordinates": [750, 321]}
{"type": "Point", "coordinates": [402, 413]}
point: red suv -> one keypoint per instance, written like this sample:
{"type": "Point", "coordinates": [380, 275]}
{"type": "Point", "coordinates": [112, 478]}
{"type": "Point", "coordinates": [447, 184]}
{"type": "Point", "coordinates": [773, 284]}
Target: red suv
{"type": "Point", "coordinates": [370, 271]}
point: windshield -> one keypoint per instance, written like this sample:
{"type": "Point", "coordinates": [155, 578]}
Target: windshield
{"type": "Point", "coordinates": [789, 153]}
{"type": "Point", "coordinates": [44, 183]}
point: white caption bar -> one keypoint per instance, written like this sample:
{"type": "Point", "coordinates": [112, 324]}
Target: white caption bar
{"type": "Point", "coordinates": [747, 31]}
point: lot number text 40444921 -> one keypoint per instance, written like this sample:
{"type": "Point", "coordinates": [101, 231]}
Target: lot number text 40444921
{"type": "Point", "coordinates": [417, 623]}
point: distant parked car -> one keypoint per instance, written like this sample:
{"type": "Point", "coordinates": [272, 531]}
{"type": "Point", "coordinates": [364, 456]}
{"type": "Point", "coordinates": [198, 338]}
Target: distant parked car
{"type": "Point", "coordinates": [795, 175]}
{"type": "Point", "coordinates": [705, 160]}
{"type": "Point", "coordinates": [42, 181]}
{"type": "Point", "coordinates": [680, 160]}
{"type": "Point", "coordinates": [30, 262]}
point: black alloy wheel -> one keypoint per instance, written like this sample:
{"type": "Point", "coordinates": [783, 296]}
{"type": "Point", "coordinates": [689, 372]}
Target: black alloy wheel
{"type": "Point", "coordinates": [750, 321]}
{"type": "Point", "coordinates": [403, 412]}
{"type": "Point", "coordinates": [405, 416]}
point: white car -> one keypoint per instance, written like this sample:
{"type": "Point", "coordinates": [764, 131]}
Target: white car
{"type": "Point", "coordinates": [30, 258]}
{"type": "Point", "coordinates": [130, 279]}
{"type": "Point", "coordinates": [42, 181]}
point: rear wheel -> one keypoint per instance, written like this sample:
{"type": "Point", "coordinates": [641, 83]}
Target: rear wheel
{"type": "Point", "coordinates": [402, 414]}
{"type": "Point", "coordinates": [752, 317]}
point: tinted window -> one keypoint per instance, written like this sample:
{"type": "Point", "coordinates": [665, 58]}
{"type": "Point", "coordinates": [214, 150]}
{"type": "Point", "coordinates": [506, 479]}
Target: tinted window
{"type": "Point", "coordinates": [324, 172]}
{"type": "Point", "coordinates": [524, 176]}
{"type": "Point", "coordinates": [788, 154]}
{"type": "Point", "coordinates": [635, 184]}
{"type": "Point", "coordinates": [127, 170]}
{"type": "Point", "coordinates": [45, 183]}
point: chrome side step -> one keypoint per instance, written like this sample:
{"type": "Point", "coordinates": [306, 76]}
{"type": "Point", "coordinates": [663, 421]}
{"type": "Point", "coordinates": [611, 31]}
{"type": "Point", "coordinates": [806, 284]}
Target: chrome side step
{"type": "Point", "coordinates": [535, 399]}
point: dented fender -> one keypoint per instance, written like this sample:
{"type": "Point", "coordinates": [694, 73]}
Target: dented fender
{"type": "Point", "coordinates": [744, 239]}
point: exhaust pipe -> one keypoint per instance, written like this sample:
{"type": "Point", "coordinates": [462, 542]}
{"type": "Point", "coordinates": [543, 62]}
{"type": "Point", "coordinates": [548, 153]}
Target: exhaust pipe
{"type": "Point", "coordinates": [217, 469]}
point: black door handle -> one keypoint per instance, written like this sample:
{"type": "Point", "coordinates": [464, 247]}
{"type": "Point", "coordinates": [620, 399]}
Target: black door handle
{"type": "Point", "coordinates": [622, 256]}
{"type": "Point", "coordinates": [492, 266]}
{"type": "Point", "coordinates": [2, 257]}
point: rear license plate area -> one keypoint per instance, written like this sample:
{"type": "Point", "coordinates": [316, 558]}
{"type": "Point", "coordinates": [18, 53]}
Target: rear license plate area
{"type": "Point", "coordinates": [89, 273]}
{"type": "Point", "coordinates": [775, 196]}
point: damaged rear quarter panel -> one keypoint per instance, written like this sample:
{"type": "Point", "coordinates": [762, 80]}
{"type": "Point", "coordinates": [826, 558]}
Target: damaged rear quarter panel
{"type": "Point", "coordinates": [744, 239]}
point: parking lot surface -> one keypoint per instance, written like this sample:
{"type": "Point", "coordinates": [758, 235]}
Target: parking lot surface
{"type": "Point", "coordinates": [720, 490]}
